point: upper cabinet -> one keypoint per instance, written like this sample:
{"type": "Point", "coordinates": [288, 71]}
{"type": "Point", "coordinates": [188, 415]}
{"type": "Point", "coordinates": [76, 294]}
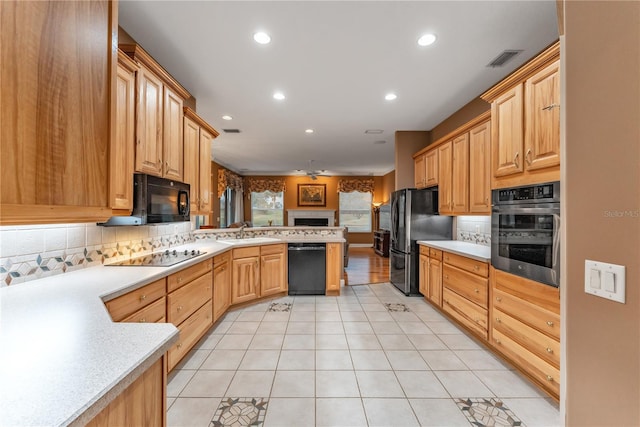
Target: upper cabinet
{"type": "Point", "coordinates": [479, 167]}
{"type": "Point", "coordinates": [159, 128]}
{"type": "Point", "coordinates": [425, 169]}
{"type": "Point", "coordinates": [57, 91]}
{"type": "Point", "coordinates": [525, 112]}
{"type": "Point", "coordinates": [198, 136]}
{"type": "Point", "coordinates": [419, 171]}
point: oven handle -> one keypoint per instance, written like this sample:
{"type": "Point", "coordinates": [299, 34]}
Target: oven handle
{"type": "Point", "coordinates": [548, 208]}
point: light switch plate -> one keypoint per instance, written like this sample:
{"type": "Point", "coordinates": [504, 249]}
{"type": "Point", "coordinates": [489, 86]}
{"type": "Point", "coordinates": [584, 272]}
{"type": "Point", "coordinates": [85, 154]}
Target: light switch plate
{"type": "Point", "coordinates": [610, 280]}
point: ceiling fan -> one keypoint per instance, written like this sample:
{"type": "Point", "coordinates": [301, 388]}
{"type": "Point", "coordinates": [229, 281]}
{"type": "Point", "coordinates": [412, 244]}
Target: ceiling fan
{"type": "Point", "coordinates": [313, 174]}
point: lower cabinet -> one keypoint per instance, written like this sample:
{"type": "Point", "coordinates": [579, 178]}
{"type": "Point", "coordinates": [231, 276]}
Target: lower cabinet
{"type": "Point", "coordinates": [221, 285]}
{"type": "Point", "coordinates": [273, 271]}
{"type": "Point", "coordinates": [334, 265]}
{"type": "Point", "coordinates": [245, 274]}
{"type": "Point", "coordinates": [141, 404]}
{"type": "Point", "coordinates": [526, 327]}
{"type": "Point", "coordinates": [423, 273]}
{"type": "Point", "coordinates": [189, 307]}
{"type": "Point", "coordinates": [434, 283]}
{"type": "Point", "coordinates": [134, 306]}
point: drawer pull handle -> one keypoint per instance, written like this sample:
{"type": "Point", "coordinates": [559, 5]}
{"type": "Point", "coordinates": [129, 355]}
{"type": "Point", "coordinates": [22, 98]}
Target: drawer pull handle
{"type": "Point", "coordinates": [179, 279]}
{"type": "Point", "coordinates": [477, 291]}
{"type": "Point", "coordinates": [179, 308]}
{"type": "Point", "coordinates": [143, 297]}
{"type": "Point", "coordinates": [475, 267]}
{"type": "Point", "coordinates": [498, 299]}
{"type": "Point", "coordinates": [143, 320]}
{"type": "Point", "coordinates": [549, 378]}
{"type": "Point", "coordinates": [179, 345]}
{"type": "Point", "coordinates": [550, 351]}
{"type": "Point", "coordinates": [498, 320]}
{"type": "Point", "coordinates": [446, 276]}
{"type": "Point", "coordinates": [498, 341]}
{"type": "Point", "coordinates": [549, 323]}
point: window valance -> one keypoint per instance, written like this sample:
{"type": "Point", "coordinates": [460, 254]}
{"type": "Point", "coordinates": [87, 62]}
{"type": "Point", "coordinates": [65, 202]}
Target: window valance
{"type": "Point", "coordinates": [259, 185]}
{"type": "Point", "coordinates": [226, 178]}
{"type": "Point", "coordinates": [361, 185]}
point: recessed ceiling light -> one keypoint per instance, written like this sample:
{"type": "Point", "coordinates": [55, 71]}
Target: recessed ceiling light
{"type": "Point", "coordinates": [261, 37]}
{"type": "Point", "coordinates": [427, 39]}
{"type": "Point", "coordinates": [309, 131]}
{"type": "Point", "coordinates": [227, 118]}
{"type": "Point", "coordinates": [279, 96]}
{"type": "Point", "coordinates": [390, 96]}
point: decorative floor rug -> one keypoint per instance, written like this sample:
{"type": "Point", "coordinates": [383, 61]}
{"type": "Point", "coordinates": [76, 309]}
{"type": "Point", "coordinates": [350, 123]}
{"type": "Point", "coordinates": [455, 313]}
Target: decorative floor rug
{"type": "Point", "coordinates": [280, 306]}
{"type": "Point", "coordinates": [396, 307]}
{"type": "Point", "coordinates": [487, 412]}
{"type": "Point", "coordinates": [240, 412]}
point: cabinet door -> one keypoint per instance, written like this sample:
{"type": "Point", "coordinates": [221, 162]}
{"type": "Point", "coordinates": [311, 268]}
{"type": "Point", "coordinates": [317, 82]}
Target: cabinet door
{"type": "Point", "coordinates": [272, 274]}
{"type": "Point", "coordinates": [173, 146]}
{"type": "Point", "coordinates": [542, 139]}
{"type": "Point", "coordinates": [149, 125]}
{"type": "Point", "coordinates": [245, 279]}
{"type": "Point", "coordinates": [431, 168]}
{"type": "Point", "coordinates": [334, 266]}
{"type": "Point", "coordinates": [423, 275]}
{"type": "Point", "coordinates": [205, 172]}
{"type": "Point", "coordinates": [121, 167]}
{"type": "Point", "coordinates": [192, 161]}
{"type": "Point", "coordinates": [221, 289]}
{"type": "Point", "coordinates": [445, 161]}
{"type": "Point", "coordinates": [507, 133]}
{"type": "Point", "coordinates": [479, 164]}
{"type": "Point", "coordinates": [435, 282]}
{"type": "Point", "coordinates": [460, 174]}
{"type": "Point", "coordinates": [419, 171]}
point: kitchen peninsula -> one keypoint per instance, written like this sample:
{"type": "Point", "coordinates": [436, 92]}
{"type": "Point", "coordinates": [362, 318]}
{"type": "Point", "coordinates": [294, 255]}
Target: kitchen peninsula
{"type": "Point", "coordinates": [59, 346]}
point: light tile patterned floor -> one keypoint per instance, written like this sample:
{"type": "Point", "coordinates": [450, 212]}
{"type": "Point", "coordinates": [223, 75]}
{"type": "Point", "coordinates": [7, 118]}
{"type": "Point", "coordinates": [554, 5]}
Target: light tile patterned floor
{"type": "Point", "coordinates": [370, 357]}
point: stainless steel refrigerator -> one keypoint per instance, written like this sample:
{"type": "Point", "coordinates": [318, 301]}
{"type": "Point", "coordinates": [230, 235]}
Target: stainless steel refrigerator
{"type": "Point", "coordinates": [414, 216]}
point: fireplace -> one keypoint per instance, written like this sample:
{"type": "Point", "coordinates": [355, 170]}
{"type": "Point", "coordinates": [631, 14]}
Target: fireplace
{"type": "Point", "coordinates": [311, 222]}
{"type": "Point", "coordinates": [311, 217]}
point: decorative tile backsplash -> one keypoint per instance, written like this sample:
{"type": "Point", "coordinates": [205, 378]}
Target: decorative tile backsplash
{"type": "Point", "coordinates": [474, 229]}
{"type": "Point", "coordinates": [36, 251]}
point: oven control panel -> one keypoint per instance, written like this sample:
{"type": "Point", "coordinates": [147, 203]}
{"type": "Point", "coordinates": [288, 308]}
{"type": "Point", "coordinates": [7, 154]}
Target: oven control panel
{"type": "Point", "coordinates": [549, 192]}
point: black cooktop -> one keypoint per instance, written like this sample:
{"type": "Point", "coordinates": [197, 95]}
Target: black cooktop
{"type": "Point", "coordinates": [159, 259]}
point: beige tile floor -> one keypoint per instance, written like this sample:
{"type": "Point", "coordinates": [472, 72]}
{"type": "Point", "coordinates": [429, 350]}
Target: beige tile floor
{"type": "Point", "coordinates": [347, 361]}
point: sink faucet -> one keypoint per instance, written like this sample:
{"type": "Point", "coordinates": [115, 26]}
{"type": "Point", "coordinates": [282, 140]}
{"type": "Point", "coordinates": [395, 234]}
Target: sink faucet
{"type": "Point", "coordinates": [240, 235]}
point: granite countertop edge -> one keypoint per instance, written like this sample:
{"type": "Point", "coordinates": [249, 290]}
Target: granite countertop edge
{"type": "Point", "coordinates": [466, 249]}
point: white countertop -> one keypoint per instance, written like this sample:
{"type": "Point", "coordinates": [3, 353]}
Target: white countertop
{"type": "Point", "coordinates": [62, 358]}
{"type": "Point", "coordinates": [469, 250]}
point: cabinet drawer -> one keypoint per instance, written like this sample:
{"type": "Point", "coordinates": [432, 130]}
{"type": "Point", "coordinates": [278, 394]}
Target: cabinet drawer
{"type": "Point", "coordinates": [133, 301]}
{"type": "Point", "coordinates": [222, 258]}
{"type": "Point", "coordinates": [153, 313]}
{"type": "Point", "coordinates": [185, 276]}
{"type": "Point", "coordinates": [424, 250]}
{"type": "Point", "coordinates": [470, 286]}
{"type": "Point", "coordinates": [252, 251]}
{"type": "Point", "coordinates": [547, 375]}
{"type": "Point", "coordinates": [538, 343]}
{"type": "Point", "coordinates": [272, 249]}
{"type": "Point", "coordinates": [184, 301]}
{"type": "Point", "coordinates": [544, 296]}
{"type": "Point", "coordinates": [534, 316]}
{"type": "Point", "coordinates": [466, 312]}
{"type": "Point", "coordinates": [435, 253]}
{"type": "Point", "coordinates": [468, 264]}
{"type": "Point", "coordinates": [190, 332]}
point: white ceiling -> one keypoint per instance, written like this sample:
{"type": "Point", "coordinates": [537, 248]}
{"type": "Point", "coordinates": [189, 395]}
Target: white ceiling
{"type": "Point", "coordinates": [335, 61]}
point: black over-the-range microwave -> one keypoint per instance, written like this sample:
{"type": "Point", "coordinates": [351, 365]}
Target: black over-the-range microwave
{"type": "Point", "coordinates": [155, 201]}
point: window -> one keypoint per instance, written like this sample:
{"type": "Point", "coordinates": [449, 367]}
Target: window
{"type": "Point", "coordinates": [355, 211]}
{"type": "Point", "coordinates": [227, 207]}
{"type": "Point", "coordinates": [267, 208]}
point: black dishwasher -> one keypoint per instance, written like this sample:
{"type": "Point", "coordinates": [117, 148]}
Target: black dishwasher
{"type": "Point", "coordinates": [307, 268]}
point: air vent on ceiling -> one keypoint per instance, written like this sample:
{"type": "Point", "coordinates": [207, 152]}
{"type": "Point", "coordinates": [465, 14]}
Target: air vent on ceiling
{"type": "Point", "coordinates": [380, 142]}
{"type": "Point", "coordinates": [373, 131]}
{"type": "Point", "coordinates": [503, 58]}
{"type": "Point", "coordinates": [231, 130]}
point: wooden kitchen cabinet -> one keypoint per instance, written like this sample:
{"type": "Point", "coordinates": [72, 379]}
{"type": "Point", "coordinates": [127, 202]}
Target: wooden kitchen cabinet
{"type": "Point", "coordinates": [273, 269]}
{"type": "Point", "coordinates": [245, 274]}
{"type": "Point", "coordinates": [419, 172]}
{"type": "Point", "coordinates": [423, 272]}
{"type": "Point", "coordinates": [334, 266]}
{"type": "Point", "coordinates": [221, 285]}
{"type": "Point", "coordinates": [525, 319]}
{"type": "Point", "coordinates": [466, 291]}
{"type": "Point", "coordinates": [126, 305]}
{"type": "Point", "coordinates": [142, 404]}
{"type": "Point", "coordinates": [122, 147]}
{"type": "Point", "coordinates": [159, 118]}
{"type": "Point", "coordinates": [189, 307]}
{"type": "Point", "coordinates": [445, 176]}
{"type": "Point", "coordinates": [460, 174]}
{"type": "Point", "coordinates": [197, 160]}
{"type": "Point", "coordinates": [480, 169]}
{"type": "Point", "coordinates": [431, 168]}
{"type": "Point", "coordinates": [525, 116]}
{"type": "Point", "coordinates": [57, 87]}
{"type": "Point", "coordinates": [434, 285]}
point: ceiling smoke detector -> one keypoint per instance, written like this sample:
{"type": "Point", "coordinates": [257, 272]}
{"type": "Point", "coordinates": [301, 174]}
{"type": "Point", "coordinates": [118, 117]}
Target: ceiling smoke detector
{"type": "Point", "coordinates": [503, 58]}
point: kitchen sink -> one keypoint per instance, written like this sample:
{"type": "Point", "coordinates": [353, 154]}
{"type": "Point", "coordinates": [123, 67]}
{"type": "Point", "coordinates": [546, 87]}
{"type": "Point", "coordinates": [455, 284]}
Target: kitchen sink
{"type": "Point", "coordinates": [250, 240]}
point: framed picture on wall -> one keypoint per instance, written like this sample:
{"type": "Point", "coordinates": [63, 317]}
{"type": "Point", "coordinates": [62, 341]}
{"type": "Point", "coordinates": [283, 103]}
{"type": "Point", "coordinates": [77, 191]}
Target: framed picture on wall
{"type": "Point", "coordinates": [312, 194]}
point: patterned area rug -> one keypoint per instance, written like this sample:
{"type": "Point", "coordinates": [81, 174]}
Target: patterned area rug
{"type": "Point", "coordinates": [240, 411]}
{"type": "Point", "coordinates": [487, 412]}
{"type": "Point", "coordinates": [280, 306]}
